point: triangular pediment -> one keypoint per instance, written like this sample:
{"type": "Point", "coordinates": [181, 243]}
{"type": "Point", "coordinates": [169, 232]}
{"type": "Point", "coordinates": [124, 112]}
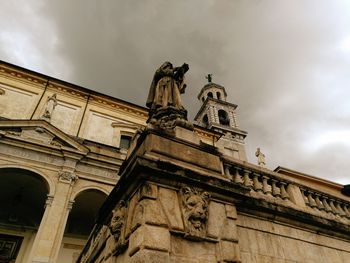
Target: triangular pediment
{"type": "Point", "coordinates": [40, 132]}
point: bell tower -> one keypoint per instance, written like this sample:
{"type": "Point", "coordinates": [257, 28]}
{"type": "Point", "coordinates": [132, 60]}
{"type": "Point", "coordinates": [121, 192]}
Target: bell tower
{"type": "Point", "coordinates": [219, 115]}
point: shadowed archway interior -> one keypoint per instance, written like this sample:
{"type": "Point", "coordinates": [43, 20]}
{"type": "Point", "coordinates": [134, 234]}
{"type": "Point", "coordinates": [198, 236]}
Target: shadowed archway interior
{"type": "Point", "coordinates": [85, 208]}
{"type": "Point", "coordinates": [22, 196]}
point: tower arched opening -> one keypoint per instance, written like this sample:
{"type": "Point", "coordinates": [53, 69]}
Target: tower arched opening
{"type": "Point", "coordinates": [223, 118]}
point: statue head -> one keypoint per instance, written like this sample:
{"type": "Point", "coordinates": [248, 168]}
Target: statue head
{"type": "Point", "coordinates": [195, 208]}
{"type": "Point", "coordinates": [166, 65]}
{"type": "Point", "coordinates": [118, 220]}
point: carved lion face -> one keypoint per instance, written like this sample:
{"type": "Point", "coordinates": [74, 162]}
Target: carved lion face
{"type": "Point", "coordinates": [117, 221]}
{"type": "Point", "coordinates": [195, 204]}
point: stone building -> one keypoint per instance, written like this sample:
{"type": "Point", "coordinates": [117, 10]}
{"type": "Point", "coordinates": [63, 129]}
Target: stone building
{"type": "Point", "coordinates": [61, 147]}
{"type": "Point", "coordinates": [187, 196]}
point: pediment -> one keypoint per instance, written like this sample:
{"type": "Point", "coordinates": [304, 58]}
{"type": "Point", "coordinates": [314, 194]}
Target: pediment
{"type": "Point", "coordinates": [40, 132]}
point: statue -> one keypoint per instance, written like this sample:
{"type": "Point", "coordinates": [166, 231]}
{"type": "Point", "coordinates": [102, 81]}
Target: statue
{"type": "Point", "coordinates": [50, 106]}
{"type": "Point", "coordinates": [164, 101]}
{"type": "Point", "coordinates": [167, 84]}
{"type": "Point", "coordinates": [261, 157]}
{"type": "Point", "coordinates": [209, 77]}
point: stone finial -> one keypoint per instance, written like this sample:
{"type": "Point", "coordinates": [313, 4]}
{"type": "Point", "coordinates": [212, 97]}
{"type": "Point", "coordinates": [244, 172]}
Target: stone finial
{"type": "Point", "coordinates": [261, 157]}
{"type": "Point", "coordinates": [164, 101]}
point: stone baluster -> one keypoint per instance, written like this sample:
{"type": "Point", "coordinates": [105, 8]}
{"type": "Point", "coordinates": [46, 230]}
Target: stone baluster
{"type": "Point", "coordinates": [284, 194]}
{"type": "Point", "coordinates": [304, 194]}
{"type": "Point", "coordinates": [347, 211]}
{"type": "Point", "coordinates": [275, 190]}
{"type": "Point", "coordinates": [266, 186]}
{"type": "Point", "coordinates": [227, 170]}
{"type": "Point", "coordinates": [340, 209]}
{"type": "Point", "coordinates": [256, 184]}
{"type": "Point", "coordinates": [246, 179]}
{"type": "Point", "coordinates": [312, 202]}
{"type": "Point", "coordinates": [334, 209]}
{"type": "Point", "coordinates": [319, 204]}
{"type": "Point", "coordinates": [326, 205]}
{"type": "Point", "coordinates": [237, 177]}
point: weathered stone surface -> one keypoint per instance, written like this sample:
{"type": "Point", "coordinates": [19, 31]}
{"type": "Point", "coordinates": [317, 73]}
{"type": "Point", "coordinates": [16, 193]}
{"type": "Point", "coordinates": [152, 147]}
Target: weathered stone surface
{"type": "Point", "coordinates": [149, 237]}
{"type": "Point", "coordinates": [229, 230]}
{"type": "Point", "coordinates": [150, 256]}
{"type": "Point", "coordinates": [170, 204]}
{"type": "Point", "coordinates": [217, 218]}
{"type": "Point", "coordinates": [180, 152]}
{"type": "Point", "coordinates": [202, 251]}
{"type": "Point", "coordinates": [230, 252]}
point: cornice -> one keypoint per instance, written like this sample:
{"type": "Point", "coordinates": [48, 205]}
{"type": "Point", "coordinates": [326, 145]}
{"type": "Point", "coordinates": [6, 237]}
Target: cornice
{"type": "Point", "coordinates": [19, 75]}
{"type": "Point", "coordinates": [99, 100]}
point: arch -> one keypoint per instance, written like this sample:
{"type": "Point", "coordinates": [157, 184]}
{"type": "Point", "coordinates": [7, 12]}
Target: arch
{"type": "Point", "coordinates": [218, 95]}
{"type": "Point", "coordinates": [50, 184]}
{"type": "Point", "coordinates": [84, 211]}
{"type": "Point", "coordinates": [23, 194]}
{"type": "Point", "coordinates": [86, 188]}
{"type": "Point", "coordinates": [223, 118]}
{"type": "Point", "coordinates": [210, 94]}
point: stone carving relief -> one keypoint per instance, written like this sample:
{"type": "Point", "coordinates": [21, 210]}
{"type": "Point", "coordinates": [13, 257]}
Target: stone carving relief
{"type": "Point", "coordinates": [50, 106]}
{"type": "Point", "coordinates": [195, 204]}
{"type": "Point", "coordinates": [67, 177]}
{"type": "Point", "coordinates": [116, 227]}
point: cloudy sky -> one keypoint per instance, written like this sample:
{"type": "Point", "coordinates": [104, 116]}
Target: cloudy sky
{"type": "Point", "coordinates": [285, 63]}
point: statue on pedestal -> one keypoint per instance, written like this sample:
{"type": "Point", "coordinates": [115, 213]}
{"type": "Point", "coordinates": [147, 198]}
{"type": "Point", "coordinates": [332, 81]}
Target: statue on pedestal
{"type": "Point", "coordinates": [261, 157]}
{"type": "Point", "coordinates": [164, 101]}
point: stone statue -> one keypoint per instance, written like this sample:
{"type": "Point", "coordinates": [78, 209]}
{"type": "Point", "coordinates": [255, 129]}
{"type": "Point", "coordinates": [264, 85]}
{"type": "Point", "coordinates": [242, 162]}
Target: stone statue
{"type": "Point", "coordinates": [50, 106]}
{"type": "Point", "coordinates": [195, 211]}
{"type": "Point", "coordinates": [209, 77]}
{"type": "Point", "coordinates": [164, 101]}
{"type": "Point", "coordinates": [167, 84]}
{"type": "Point", "coordinates": [261, 157]}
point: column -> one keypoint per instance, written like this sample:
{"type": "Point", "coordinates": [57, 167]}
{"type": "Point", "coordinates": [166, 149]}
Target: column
{"type": "Point", "coordinates": [49, 237]}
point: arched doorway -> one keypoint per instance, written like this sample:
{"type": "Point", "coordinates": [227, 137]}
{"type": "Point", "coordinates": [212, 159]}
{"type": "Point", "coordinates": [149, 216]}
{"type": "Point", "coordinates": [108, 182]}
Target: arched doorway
{"type": "Point", "coordinates": [22, 196]}
{"type": "Point", "coordinates": [80, 223]}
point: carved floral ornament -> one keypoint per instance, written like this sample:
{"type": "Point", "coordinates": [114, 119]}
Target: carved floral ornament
{"type": "Point", "coordinates": [195, 204]}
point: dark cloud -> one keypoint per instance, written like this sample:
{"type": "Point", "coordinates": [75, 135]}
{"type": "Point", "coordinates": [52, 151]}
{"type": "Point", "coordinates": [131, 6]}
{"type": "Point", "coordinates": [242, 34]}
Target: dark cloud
{"type": "Point", "coordinates": [285, 63]}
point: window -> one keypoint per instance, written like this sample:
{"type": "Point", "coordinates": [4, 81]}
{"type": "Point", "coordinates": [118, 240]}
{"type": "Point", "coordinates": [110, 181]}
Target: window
{"type": "Point", "coordinates": [210, 95]}
{"type": "Point", "coordinates": [223, 118]}
{"type": "Point", "coordinates": [218, 95]}
{"type": "Point", "coordinates": [125, 142]}
{"type": "Point", "coordinates": [205, 120]}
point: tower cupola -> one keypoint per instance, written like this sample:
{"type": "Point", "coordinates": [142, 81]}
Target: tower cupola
{"type": "Point", "coordinates": [219, 115]}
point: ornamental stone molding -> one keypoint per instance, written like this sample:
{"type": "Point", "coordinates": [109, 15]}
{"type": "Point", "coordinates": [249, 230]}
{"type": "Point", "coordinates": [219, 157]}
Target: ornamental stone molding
{"type": "Point", "coordinates": [67, 177]}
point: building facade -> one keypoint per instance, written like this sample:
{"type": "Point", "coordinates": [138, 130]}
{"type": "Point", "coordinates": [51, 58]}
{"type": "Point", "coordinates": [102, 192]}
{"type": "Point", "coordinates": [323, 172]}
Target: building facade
{"type": "Point", "coordinates": [62, 147]}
